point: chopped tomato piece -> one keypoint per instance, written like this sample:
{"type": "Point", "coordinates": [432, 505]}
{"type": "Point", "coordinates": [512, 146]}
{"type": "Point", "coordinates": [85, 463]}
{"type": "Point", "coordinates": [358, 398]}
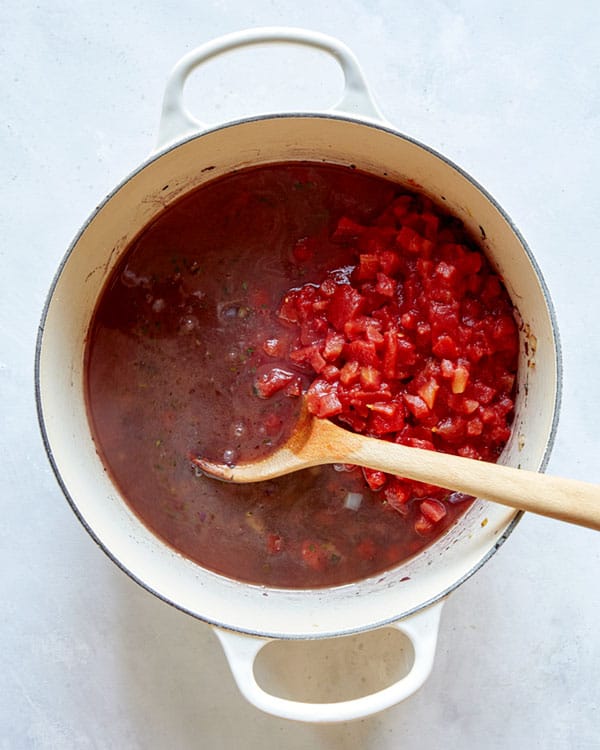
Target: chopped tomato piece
{"type": "Point", "coordinates": [272, 381]}
{"type": "Point", "coordinates": [413, 242]}
{"type": "Point", "coordinates": [347, 229]}
{"type": "Point", "coordinates": [368, 266]}
{"type": "Point", "coordinates": [325, 405]}
{"type": "Point", "coordinates": [389, 262]}
{"type": "Point", "coordinates": [385, 417]}
{"type": "Point", "coordinates": [434, 510]}
{"type": "Point", "coordinates": [350, 373]}
{"type": "Point", "coordinates": [274, 347]}
{"type": "Point", "coordinates": [334, 344]}
{"type": "Point", "coordinates": [375, 479]}
{"type": "Point", "coordinates": [363, 352]}
{"type": "Point", "coordinates": [445, 347]}
{"type": "Point", "coordinates": [386, 286]}
{"type": "Point", "coordinates": [423, 526]}
{"type": "Point", "coordinates": [346, 304]}
{"type": "Point", "coordinates": [370, 377]}
{"type": "Point", "coordinates": [416, 406]}
{"type": "Point", "coordinates": [398, 494]}
{"type": "Point", "coordinates": [274, 544]}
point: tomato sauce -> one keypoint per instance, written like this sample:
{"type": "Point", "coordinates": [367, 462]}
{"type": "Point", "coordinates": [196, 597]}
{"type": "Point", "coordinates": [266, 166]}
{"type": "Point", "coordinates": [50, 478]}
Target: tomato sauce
{"type": "Point", "coordinates": [285, 282]}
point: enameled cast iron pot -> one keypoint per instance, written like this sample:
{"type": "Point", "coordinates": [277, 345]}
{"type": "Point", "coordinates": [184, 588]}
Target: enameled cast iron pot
{"type": "Point", "coordinates": [246, 617]}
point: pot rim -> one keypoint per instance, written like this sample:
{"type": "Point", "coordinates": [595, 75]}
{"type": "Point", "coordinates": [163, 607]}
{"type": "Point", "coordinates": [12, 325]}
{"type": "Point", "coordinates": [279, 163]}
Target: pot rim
{"type": "Point", "coordinates": [154, 156]}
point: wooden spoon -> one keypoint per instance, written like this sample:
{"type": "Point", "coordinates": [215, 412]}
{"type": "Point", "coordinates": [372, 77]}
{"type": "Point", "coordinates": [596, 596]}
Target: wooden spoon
{"type": "Point", "coordinates": [319, 441]}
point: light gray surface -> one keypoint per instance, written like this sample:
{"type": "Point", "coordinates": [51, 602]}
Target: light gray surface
{"type": "Point", "coordinates": [509, 90]}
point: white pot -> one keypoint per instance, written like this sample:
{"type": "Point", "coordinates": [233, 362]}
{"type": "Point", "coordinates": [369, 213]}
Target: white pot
{"type": "Point", "coordinates": [247, 616]}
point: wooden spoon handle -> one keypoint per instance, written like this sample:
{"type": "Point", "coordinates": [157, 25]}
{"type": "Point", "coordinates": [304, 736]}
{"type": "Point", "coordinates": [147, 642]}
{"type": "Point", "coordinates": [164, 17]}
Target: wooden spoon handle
{"type": "Point", "coordinates": [563, 499]}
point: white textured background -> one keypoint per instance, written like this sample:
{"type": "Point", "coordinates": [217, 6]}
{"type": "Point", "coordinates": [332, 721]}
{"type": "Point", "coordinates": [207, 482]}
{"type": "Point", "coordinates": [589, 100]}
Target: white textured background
{"type": "Point", "coordinates": [510, 91]}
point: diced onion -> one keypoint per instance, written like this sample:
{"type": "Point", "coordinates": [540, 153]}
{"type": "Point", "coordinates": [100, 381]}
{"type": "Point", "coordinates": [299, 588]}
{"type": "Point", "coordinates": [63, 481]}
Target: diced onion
{"type": "Point", "coordinates": [353, 500]}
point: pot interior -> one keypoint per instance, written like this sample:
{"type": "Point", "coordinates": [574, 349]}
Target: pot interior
{"type": "Point", "coordinates": [214, 598]}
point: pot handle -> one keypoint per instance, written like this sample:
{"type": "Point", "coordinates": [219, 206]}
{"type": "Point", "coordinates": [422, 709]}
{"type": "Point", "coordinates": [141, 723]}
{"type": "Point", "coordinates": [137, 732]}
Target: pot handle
{"type": "Point", "coordinates": [177, 122]}
{"type": "Point", "coordinates": [421, 629]}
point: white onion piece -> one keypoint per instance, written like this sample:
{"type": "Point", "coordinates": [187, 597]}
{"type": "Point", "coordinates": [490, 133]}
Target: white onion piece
{"type": "Point", "coordinates": [353, 500]}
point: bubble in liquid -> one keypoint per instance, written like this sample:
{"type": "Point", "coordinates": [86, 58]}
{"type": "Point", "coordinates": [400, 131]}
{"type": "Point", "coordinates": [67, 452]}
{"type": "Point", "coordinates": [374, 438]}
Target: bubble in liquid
{"type": "Point", "coordinates": [188, 323]}
{"type": "Point", "coordinates": [229, 457]}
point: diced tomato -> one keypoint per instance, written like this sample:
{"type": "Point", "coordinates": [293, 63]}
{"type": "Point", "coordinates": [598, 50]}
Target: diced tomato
{"type": "Point", "coordinates": [468, 451]}
{"type": "Point", "coordinates": [447, 368]}
{"type": "Point", "coordinates": [482, 392]}
{"type": "Point", "coordinates": [370, 377]}
{"type": "Point", "coordinates": [363, 352]}
{"type": "Point", "coordinates": [430, 223]}
{"type": "Point", "coordinates": [491, 289]}
{"type": "Point", "coordinates": [407, 352]}
{"type": "Point", "coordinates": [423, 526]}
{"type": "Point", "coordinates": [334, 344]}
{"type": "Point", "coordinates": [327, 287]}
{"type": "Point", "coordinates": [389, 262]}
{"type": "Point", "coordinates": [346, 304]}
{"type": "Point", "coordinates": [272, 381]}
{"type": "Point", "coordinates": [368, 266]}
{"type": "Point", "coordinates": [390, 356]}
{"type": "Point", "coordinates": [423, 338]}
{"type": "Point", "coordinates": [385, 417]}
{"type": "Point", "coordinates": [468, 405]}
{"type": "Point", "coordinates": [331, 373]}
{"type": "Point", "coordinates": [402, 205]}
{"type": "Point", "coordinates": [317, 361]}
{"type": "Point", "coordinates": [362, 324]}
{"type": "Point", "coordinates": [447, 272]}
{"type": "Point", "coordinates": [288, 310]}
{"type": "Point", "coordinates": [409, 320]}
{"type": "Point", "coordinates": [322, 400]}
{"type": "Point", "coordinates": [451, 429]}
{"type": "Point", "coordinates": [375, 479]}
{"type": "Point", "coordinates": [347, 229]}
{"type": "Point", "coordinates": [397, 494]}
{"type": "Point", "coordinates": [386, 286]}
{"type": "Point", "coordinates": [445, 347]}
{"type": "Point", "coordinates": [294, 389]}
{"type": "Point", "coordinates": [350, 373]}
{"type": "Point", "coordinates": [434, 510]}
{"type": "Point", "coordinates": [413, 242]}
{"type": "Point", "coordinates": [373, 335]}
{"type": "Point", "coordinates": [474, 427]}
{"type": "Point", "coordinates": [274, 544]}
{"type": "Point", "coordinates": [274, 347]}
{"type": "Point", "coordinates": [416, 406]}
